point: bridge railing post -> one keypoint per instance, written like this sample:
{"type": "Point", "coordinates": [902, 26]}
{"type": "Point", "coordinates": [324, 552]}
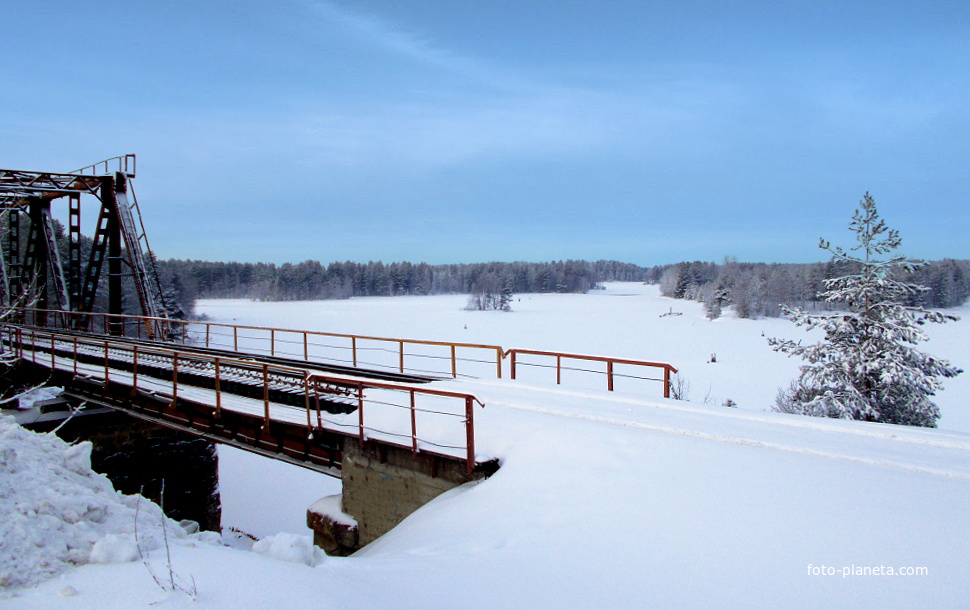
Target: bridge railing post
{"type": "Point", "coordinates": [469, 434]}
{"type": "Point", "coordinates": [175, 375]}
{"type": "Point", "coordinates": [414, 427]}
{"type": "Point", "coordinates": [134, 370]}
{"type": "Point", "coordinates": [265, 397]}
{"type": "Point", "coordinates": [218, 388]}
{"type": "Point", "coordinates": [107, 364]}
{"type": "Point", "coordinates": [306, 404]}
{"type": "Point", "coordinates": [316, 400]}
{"type": "Point", "coordinates": [360, 412]}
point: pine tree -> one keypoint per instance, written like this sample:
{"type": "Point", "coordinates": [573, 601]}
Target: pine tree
{"type": "Point", "coordinates": [505, 297]}
{"type": "Point", "coordinates": [867, 367]}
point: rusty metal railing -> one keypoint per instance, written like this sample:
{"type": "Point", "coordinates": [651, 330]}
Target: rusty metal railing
{"type": "Point", "coordinates": [123, 163]}
{"type": "Point", "coordinates": [370, 399]}
{"type": "Point", "coordinates": [303, 344]}
{"type": "Point", "coordinates": [300, 344]}
{"type": "Point", "coordinates": [403, 398]}
{"type": "Point", "coordinates": [611, 374]}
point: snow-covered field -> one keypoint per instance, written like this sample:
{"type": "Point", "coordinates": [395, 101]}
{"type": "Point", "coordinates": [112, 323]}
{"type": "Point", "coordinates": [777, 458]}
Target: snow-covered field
{"type": "Point", "coordinates": [625, 320]}
{"type": "Point", "coordinates": [611, 500]}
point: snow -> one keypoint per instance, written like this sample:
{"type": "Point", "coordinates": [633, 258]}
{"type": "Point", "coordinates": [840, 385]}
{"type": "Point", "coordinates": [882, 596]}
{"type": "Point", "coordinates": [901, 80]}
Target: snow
{"type": "Point", "coordinates": [246, 481]}
{"type": "Point", "coordinates": [57, 513]}
{"type": "Point", "coordinates": [622, 321]}
{"type": "Point", "coordinates": [606, 500]}
{"type": "Point", "coordinates": [330, 507]}
{"type": "Point", "coordinates": [289, 547]}
{"type": "Point", "coordinates": [115, 548]}
{"type": "Point", "coordinates": [27, 399]}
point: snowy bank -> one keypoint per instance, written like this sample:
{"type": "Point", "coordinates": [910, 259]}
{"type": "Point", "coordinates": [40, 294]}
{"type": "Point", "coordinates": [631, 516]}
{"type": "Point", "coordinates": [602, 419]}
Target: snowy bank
{"type": "Point", "coordinates": [55, 512]}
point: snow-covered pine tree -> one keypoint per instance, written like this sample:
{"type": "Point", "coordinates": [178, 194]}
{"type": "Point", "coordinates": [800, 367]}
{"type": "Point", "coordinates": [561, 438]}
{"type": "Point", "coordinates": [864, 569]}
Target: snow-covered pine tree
{"type": "Point", "coordinates": [867, 367]}
{"type": "Point", "coordinates": [505, 297]}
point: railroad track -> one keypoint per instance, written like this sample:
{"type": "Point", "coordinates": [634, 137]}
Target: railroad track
{"type": "Point", "coordinates": [281, 380]}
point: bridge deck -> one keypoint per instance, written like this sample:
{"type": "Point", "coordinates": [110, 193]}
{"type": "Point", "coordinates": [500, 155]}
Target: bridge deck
{"type": "Point", "coordinates": [290, 410]}
{"type": "Point", "coordinates": [259, 388]}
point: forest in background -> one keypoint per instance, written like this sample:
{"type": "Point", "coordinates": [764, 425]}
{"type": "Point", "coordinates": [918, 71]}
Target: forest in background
{"type": "Point", "coordinates": [752, 289]}
{"type": "Point", "coordinates": [312, 280]}
{"type": "Point", "coordinates": [758, 289]}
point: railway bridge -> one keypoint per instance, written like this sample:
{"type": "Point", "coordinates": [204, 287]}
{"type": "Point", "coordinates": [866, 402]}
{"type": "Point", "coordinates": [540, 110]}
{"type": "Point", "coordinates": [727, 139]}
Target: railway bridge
{"type": "Point", "coordinates": [370, 410]}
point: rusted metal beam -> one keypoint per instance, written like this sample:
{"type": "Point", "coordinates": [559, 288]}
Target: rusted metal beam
{"type": "Point", "coordinates": [74, 251]}
{"type": "Point", "coordinates": [115, 295]}
{"type": "Point", "coordinates": [120, 238]}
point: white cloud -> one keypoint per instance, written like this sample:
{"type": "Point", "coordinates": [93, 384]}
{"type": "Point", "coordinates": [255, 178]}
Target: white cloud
{"type": "Point", "coordinates": [376, 32]}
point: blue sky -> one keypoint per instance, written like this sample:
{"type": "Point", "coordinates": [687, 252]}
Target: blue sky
{"type": "Point", "coordinates": [465, 131]}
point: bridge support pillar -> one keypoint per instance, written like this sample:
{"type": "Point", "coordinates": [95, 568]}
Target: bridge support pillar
{"type": "Point", "coordinates": [382, 485]}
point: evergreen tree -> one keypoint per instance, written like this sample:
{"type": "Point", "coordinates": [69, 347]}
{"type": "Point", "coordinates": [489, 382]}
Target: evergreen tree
{"type": "Point", "coordinates": [867, 367]}
{"type": "Point", "coordinates": [505, 297]}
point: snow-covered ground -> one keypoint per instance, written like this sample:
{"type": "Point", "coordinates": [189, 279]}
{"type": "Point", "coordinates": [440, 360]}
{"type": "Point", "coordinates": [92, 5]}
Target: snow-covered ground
{"type": "Point", "coordinates": [625, 320]}
{"type": "Point", "coordinates": [610, 500]}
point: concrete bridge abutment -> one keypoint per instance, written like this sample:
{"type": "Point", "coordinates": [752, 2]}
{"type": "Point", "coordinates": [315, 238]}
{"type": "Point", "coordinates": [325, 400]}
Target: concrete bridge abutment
{"type": "Point", "coordinates": [382, 485]}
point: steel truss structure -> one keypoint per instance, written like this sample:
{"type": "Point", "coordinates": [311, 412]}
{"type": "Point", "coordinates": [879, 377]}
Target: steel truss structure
{"type": "Point", "coordinates": [34, 274]}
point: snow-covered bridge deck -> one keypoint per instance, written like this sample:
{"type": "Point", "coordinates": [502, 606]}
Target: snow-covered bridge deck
{"type": "Point", "coordinates": [273, 377]}
{"type": "Point", "coordinates": [298, 413]}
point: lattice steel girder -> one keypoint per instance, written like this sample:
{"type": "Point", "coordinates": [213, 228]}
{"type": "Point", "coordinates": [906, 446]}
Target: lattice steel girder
{"type": "Point", "coordinates": [120, 239]}
{"type": "Point", "coordinates": [74, 251]}
{"type": "Point", "coordinates": [17, 185]}
{"type": "Point", "coordinates": [54, 258]}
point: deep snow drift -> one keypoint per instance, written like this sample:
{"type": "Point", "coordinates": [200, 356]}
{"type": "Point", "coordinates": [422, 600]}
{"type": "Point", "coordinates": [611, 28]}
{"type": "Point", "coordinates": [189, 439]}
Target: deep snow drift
{"type": "Point", "coordinates": [609, 500]}
{"type": "Point", "coordinates": [57, 513]}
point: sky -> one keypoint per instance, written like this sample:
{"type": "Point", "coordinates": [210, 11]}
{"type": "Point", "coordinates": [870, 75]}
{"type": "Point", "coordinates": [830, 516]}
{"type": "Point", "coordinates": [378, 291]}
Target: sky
{"type": "Point", "coordinates": [450, 131]}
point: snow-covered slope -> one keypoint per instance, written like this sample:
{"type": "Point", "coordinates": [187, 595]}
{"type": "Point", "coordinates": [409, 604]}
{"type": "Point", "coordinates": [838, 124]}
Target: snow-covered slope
{"type": "Point", "coordinates": [613, 500]}
{"type": "Point", "coordinates": [55, 512]}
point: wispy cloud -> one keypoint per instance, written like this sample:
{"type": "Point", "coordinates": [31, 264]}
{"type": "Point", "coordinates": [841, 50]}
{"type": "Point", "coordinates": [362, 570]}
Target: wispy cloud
{"type": "Point", "coordinates": [376, 32]}
{"type": "Point", "coordinates": [457, 107]}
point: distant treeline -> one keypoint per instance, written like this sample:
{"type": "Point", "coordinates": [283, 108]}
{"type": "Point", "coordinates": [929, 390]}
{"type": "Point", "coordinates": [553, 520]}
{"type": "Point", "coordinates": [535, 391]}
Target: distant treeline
{"type": "Point", "coordinates": [310, 280]}
{"type": "Point", "coordinates": [757, 289]}
{"type": "Point", "coordinates": [752, 289]}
